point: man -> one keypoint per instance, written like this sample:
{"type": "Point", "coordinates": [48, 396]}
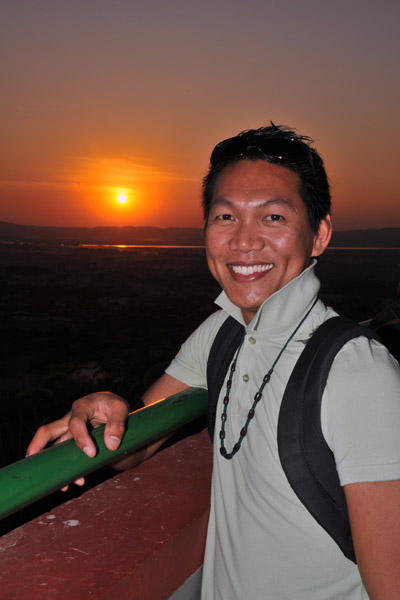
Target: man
{"type": "Point", "coordinates": [266, 202]}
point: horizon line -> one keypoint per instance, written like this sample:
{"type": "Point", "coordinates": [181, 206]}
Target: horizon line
{"type": "Point", "coordinates": [165, 228]}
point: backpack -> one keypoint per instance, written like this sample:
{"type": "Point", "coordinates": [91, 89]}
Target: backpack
{"type": "Point", "coordinates": [306, 458]}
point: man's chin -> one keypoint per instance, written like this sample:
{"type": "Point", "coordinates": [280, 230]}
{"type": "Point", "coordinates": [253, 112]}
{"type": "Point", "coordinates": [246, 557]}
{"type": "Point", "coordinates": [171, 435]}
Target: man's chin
{"type": "Point", "coordinates": [248, 315]}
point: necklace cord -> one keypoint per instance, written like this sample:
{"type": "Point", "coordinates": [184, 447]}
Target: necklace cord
{"type": "Point", "coordinates": [257, 397]}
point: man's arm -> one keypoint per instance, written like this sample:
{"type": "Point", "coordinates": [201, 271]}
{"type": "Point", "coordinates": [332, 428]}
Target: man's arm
{"type": "Point", "coordinates": [110, 409]}
{"type": "Point", "coordinates": [374, 511]}
{"type": "Point", "coordinates": [162, 388]}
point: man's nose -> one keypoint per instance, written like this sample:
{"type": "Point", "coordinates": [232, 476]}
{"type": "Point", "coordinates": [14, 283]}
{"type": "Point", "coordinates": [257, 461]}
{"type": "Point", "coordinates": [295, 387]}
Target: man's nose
{"type": "Point", "coordinates": [246, 238]}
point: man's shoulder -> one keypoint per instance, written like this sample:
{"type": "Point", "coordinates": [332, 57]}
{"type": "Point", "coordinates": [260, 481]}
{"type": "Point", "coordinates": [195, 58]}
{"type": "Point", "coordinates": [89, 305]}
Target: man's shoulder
{"type": "Point", "coordinates": [212, 323]}
{"type": "Point", "coordinates": [363, 354]}
{"type": "Point", "coordinates": [201, 339]}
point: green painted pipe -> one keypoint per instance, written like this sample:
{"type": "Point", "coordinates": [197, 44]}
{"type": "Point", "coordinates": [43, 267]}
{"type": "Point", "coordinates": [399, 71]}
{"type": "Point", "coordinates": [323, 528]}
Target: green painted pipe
{"type": "Point", "coordinates": [32, 478]}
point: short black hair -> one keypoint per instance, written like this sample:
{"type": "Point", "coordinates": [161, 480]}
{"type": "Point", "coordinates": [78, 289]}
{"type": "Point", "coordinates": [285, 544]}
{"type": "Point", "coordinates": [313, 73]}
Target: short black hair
{"type": "Point", "coordinates": [314, 185]}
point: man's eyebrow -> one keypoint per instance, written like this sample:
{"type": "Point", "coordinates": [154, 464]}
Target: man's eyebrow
{"type": "Point", "coordinates": [220, 202]}
{"type": "Point", "coordinates": [279, 200]}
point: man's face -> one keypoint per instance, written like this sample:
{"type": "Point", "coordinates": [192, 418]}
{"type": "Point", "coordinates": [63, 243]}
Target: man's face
{"type": "Point", "coordinates": [258, 236]}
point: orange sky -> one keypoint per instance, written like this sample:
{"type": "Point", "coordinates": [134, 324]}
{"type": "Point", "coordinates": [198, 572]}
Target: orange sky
{"type": "Point", "coordinates": [101, 98]}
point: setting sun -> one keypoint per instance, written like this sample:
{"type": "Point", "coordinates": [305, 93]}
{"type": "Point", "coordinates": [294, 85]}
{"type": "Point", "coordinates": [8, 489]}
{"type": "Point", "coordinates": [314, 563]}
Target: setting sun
{"type": "Point", "coordinates": [122, 198]}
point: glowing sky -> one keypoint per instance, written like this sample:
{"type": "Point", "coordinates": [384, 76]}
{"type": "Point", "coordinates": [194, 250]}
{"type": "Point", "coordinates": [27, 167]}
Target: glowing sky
{"type": "Point", "coordinates": [101, 98]}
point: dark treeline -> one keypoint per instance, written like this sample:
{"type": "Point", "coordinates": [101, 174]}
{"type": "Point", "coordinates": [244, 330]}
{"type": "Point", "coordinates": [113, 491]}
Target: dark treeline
{"type": "Point", "coordinates": [76, 320]}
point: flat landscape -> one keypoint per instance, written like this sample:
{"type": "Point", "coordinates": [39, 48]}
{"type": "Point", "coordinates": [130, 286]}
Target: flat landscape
{"type": "Point", "coordinates": [75, 320]}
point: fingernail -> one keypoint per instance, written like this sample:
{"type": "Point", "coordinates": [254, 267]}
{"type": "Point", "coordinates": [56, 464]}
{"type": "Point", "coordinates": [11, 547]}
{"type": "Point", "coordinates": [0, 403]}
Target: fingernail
{"type": "Point", "coordinates": [88, 451]}
{"type": "Point", "coordinates": [113, 442]}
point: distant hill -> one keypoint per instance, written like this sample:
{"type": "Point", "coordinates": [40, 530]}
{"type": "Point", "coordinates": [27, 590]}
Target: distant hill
{"type": "Point", "coordinates": [180, 236]}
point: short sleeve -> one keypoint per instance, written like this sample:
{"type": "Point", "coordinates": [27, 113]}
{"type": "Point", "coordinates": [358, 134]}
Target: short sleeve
{"type": "Point", "coordinates": [190, 364]}
{"type": "Point", "coordinates": [360, 412]}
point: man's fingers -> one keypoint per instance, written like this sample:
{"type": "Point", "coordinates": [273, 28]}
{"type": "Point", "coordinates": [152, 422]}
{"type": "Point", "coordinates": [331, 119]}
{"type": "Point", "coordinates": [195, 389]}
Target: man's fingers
{"type": "Point", "coordinates": [78, 429]}
{"type": "Point", "coordinates": [46, 434]}
{"type": "Point", "coordinates": [107, 408]}
{"type": "Point", "coordinates": [63, 438]}
{"type": "Point", "coordinates": [80, 481]}
{"type": "Point", "coordinates": [101, 407]}
{"type": "Point", "coordinates": [115, 425]}
{"type": "Point", "coordinates": [113, 433]}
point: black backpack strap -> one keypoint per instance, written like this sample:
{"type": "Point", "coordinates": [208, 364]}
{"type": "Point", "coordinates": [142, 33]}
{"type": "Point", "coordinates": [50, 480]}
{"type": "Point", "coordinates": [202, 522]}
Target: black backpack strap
{"type": "Point", "coordinates": [221, 355]}
{"type": "Point", "coordinates": [305, 456]}
{"type": "Point", "coordinates": [387, 325]}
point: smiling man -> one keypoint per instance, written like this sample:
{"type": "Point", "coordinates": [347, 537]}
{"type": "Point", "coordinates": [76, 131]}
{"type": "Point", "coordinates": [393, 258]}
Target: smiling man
{"type": "Point", "coordinates": [266, 205]}
{"type": "Point", "coordinates": [258, 235]}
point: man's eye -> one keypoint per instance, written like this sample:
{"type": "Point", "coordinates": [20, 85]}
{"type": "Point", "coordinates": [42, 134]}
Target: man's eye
{"type": "Point", "coordinates": [274, 217]}
{"type": "Point", "coordinates": [225, 217]}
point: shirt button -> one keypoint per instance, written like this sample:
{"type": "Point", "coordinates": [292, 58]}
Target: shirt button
{"type": "Point", "coordinates": [245, 378]}
{"type": "Point", "coordinates": [252, 340]}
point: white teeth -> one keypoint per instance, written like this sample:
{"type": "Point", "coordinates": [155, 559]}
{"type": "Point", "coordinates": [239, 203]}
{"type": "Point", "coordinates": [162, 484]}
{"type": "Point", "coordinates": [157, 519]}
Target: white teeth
{"type": "Point", "coordinates": [241, 270]}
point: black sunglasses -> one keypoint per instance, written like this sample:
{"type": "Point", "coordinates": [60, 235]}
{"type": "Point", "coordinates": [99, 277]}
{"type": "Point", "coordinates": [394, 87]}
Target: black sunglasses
{"type": "Point", "coordinates": [281, 148]}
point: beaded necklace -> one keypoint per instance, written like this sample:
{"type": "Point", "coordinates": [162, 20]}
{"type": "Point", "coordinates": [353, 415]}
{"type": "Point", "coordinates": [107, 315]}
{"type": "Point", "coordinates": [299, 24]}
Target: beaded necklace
{"type": "Point", "coordinates": [243, 432]}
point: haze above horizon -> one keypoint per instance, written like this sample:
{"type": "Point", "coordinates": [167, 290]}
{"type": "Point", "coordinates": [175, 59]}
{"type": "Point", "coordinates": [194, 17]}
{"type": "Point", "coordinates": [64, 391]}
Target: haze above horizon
{"type": "Point", "coordinates": [111, 109]}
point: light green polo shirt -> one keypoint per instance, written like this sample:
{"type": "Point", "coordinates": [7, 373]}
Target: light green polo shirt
{"type": "Point", "coordinates": [262, 543]}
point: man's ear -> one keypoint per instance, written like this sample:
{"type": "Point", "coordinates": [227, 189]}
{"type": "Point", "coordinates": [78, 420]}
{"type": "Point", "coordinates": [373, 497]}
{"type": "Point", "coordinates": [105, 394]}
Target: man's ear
{"type": "Point", "coordinates": [323, 236]}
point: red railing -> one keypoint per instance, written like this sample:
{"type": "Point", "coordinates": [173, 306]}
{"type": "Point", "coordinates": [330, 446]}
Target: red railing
{"type": "Point", "coordinates": [137, 536]}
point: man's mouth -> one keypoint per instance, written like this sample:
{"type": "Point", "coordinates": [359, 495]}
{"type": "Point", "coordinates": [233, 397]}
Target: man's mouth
{"type": "Point", "coordinates": [250, 269]}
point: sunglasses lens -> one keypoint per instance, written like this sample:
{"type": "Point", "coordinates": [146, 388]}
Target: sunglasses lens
{"type": "Point", "coordinates": [280, 148]}
{"type": "Point", "coordinates": [230, 148]}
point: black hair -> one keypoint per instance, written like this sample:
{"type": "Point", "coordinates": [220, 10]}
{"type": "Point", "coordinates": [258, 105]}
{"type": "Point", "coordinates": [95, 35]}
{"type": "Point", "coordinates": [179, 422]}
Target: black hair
{"type": "Point", "coordinates": [314, 184]}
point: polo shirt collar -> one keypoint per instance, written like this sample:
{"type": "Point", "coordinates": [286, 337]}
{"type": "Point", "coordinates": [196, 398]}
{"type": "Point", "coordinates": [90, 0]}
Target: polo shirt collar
{"type": "Point", "coordinates": [282, 310]}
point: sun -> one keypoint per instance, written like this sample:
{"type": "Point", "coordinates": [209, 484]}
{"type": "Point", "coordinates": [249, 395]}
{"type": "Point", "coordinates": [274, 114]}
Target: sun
{"type": "Point", "coordinates": [122, 198]}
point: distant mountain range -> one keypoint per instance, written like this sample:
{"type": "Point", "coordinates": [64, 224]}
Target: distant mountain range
{"type": "Point", "coordinates": [11, 232]}
{"type": "Point", "coordinates": [180, 236]}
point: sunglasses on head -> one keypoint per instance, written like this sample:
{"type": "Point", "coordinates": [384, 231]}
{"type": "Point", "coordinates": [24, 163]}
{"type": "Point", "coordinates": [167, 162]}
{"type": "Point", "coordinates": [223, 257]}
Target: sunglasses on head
{"type": "Point", "coordinates": [283, 149]}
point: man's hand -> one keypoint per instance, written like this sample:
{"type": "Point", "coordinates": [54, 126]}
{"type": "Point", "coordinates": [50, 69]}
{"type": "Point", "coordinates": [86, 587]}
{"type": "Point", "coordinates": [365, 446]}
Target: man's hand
{"type": "Point", "coordinates": [98, 408]}
{"type": "Point", "coordinates": [91, 410]}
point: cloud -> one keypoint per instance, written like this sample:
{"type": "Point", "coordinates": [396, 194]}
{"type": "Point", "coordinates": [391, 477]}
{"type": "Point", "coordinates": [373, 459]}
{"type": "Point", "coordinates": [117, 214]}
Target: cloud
{"type": "Point", "coordinates": [104, 171]}
{"type": "Point", "coordinates": [126, 171]}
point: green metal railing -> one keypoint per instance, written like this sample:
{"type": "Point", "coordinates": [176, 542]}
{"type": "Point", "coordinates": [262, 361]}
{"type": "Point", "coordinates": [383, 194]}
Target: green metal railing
{"type": "Point", "coordinates": [32, 478]}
